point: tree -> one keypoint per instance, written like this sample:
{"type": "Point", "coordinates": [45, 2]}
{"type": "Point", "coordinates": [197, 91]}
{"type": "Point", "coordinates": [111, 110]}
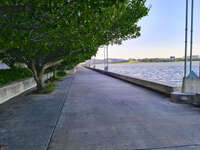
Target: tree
{"type": "Point", "coordinates": [43, 34]}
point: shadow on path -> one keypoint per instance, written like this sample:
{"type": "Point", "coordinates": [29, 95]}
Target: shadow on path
{"type": "Point", "coordinates": [27, 121]}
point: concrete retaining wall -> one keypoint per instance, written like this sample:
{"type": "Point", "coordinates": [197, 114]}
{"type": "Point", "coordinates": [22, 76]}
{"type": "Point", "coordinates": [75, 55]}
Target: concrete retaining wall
{"type": "Point", "coordinates": [191, 85]}
{"type": "Point", "coordinates": [156, 86]}
{"type": "Point", "coordinates": [13, 89]}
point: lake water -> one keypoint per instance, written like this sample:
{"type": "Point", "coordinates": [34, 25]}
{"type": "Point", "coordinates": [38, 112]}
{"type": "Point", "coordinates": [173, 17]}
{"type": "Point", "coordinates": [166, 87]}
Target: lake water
{"type": "Point", "coordinates": [166, 72]}
{"type": "Point", "coordinates": [3, 66]}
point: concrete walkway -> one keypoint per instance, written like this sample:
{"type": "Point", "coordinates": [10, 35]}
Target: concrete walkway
{"type": "Point", "coordinates": [103, 113]}
{"type": "Point", "coordinates": [27, 121]}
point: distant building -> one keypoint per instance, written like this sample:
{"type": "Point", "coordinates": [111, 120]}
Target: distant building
{"type": "Point", "coordinates": [172, 58]}
{"type": "Point", "coordinates": [132, 59]}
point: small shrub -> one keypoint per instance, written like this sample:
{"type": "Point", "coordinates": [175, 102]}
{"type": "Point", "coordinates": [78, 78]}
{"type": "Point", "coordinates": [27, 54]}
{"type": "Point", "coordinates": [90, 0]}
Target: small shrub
{"type": "Point", "coordinates": [61, 73]}
{"type": "Point", "coordinates": [52, 79]}
{"type": "Point", "coordinates": [48, 88]}
{"type": "Point", "coordinates": [13, 74]}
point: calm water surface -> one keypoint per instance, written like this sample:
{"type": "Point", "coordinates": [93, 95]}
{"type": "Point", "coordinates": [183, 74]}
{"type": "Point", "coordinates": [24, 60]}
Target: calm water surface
{"type": "Point", "coordinates": [167, 72]}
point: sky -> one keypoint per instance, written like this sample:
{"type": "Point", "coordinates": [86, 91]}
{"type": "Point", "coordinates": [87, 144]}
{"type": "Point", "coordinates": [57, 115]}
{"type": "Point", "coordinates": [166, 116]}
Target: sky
{"type": "Point", "coordinates": [162, 32]}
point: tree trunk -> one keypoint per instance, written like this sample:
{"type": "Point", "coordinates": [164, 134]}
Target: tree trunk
{"type": "Point", "coordinates": [39, 71]}
{"type": "Point", "coordinates": [54, 72]}
{"type": "Point", "coordinates": [38, 76]}
{"type": "Point", "coordinates": [40, 83]}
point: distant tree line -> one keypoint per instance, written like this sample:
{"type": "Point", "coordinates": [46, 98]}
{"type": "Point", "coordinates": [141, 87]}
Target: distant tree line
{"type": "Point", "coordinates": [165, 59]}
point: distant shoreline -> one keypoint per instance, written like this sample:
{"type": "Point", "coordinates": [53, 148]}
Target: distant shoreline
{"type": "Point", "coordinates": [136, 62]}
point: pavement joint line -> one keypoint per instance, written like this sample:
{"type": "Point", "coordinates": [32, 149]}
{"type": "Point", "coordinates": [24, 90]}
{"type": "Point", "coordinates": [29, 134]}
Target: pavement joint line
{"type": "Point", "coordinates": [163, 148]}
{"type": "Point", "coordinates": [60, 111]}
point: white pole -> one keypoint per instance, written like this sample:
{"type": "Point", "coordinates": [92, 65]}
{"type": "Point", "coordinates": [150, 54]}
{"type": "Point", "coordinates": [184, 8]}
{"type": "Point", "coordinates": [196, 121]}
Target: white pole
{"type": "Point", "coordinates": [94, 62]}
{"type": "Point", "coordinates": [104, 57]}
{"type": "Point", "coordinates": [199, 68]}
{"type": "Point", "coordinates": [107, 58]}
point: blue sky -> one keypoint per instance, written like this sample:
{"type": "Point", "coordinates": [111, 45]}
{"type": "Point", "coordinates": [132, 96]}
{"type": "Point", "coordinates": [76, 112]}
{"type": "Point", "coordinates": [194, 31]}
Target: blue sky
{"type": "Point", "coordinates": [162, 33]}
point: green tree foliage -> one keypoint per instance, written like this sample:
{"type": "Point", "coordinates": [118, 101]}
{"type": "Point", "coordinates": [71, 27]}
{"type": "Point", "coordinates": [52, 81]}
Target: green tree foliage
{"type": "Point", "coordinates": [45, 33]}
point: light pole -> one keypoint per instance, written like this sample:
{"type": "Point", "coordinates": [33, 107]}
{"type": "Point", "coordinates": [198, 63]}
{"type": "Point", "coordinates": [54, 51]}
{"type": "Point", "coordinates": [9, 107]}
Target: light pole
{"type": "Point", "coordinates": [192, 74]}
{"type": "Point", "coordinates": [104, 55]}
{"type": "Point", "coordinates": [186, 38]}
{"type": "Point", "coordinates": [199, 69]}
{"type": "Point", "coordinates": [106, 58]}
{"type": "Point", "coordinates": [191, 40]}
{"type": "Point", "coordinates": [94, 63]}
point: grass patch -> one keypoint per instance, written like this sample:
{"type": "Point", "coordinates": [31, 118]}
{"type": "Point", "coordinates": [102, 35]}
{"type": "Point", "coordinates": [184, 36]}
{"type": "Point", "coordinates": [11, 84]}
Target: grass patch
{"type": "Point", "coordinates": [48, 88]}
{"type": "Point", "coordinates": [61, 74]}
{"type": "Point", "coordinates": [13, 74]}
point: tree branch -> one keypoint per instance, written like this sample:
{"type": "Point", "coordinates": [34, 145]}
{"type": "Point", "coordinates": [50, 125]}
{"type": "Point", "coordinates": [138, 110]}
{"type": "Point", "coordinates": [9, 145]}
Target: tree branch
{"type": "Point", "coordinates": [52, 64]}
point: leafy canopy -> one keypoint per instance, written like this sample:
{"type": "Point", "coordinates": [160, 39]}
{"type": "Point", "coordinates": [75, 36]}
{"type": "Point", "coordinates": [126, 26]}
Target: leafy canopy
{"type": "Point", "coordinates": [42, 32]}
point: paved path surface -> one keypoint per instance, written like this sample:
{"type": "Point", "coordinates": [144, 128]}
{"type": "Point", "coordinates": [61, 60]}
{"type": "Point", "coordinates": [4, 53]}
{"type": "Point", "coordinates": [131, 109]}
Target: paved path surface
{"type": "Point", "coordinates": [103, 113]}
{"type": "Point", "coordinates": [27, 121]}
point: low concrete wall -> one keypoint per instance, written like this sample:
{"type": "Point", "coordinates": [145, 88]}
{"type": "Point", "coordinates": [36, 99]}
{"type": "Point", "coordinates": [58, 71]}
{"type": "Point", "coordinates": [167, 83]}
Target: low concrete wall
{"type": "Point", "coordinates": [72, 71]}
{"type": "Point", "coordinates": [13, 89]}
{"type": "Point", "coordinates": [156, 86]}
{"type": "Point", "coordinates": [186, 98]}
